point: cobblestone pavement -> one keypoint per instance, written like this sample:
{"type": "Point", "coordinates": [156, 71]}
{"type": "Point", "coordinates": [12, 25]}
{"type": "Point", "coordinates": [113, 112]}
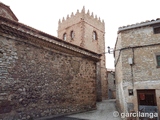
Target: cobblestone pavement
{"type": "Point", "coordinates": [104, 111]}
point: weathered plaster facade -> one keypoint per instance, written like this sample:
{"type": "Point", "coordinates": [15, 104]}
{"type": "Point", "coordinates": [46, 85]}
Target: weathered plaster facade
{"type": "Point", "coordinates": [140, 44]}
{"type": "Point", "coordinates": [83, 25]}
{"type": "Point", "coordinates": [41, 75]}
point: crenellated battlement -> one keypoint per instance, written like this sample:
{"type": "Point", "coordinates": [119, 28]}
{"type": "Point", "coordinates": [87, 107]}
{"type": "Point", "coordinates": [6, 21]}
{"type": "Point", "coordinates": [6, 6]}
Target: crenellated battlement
{"type": "Point", "coordinates": [79, 16]}
{"type": "Point", "coordinates": [82, 24]}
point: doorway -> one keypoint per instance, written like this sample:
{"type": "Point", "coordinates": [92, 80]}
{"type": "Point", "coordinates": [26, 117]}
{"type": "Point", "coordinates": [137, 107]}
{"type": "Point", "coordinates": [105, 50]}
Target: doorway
{"type": "Point", "coordinates": [147, 104]}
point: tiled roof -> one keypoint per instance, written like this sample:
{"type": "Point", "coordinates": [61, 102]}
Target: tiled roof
{"type": "Point", "coordinates": [141, 24]}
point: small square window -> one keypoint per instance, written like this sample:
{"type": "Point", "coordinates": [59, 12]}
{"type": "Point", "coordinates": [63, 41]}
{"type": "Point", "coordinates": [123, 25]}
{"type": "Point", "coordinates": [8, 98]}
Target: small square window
{"type": "Point", "coordinates": [158, 60]}
{"type": "Point", "coordinates": [130, 92]}
{"type": "Point", "coordinates": [156, 30]}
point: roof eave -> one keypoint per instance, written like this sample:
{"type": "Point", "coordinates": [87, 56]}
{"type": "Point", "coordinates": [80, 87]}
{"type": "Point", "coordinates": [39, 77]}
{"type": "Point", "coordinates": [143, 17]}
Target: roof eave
{"type": "Point", "coordinates": [138, 25]}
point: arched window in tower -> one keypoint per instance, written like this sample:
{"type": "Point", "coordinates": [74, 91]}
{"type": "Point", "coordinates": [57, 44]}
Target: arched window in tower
{"type": "Point", "coordinates": [72, 35]}
{"type": "Point", "coordinates": [94, 35]}
{"type": "Point", "coordinates": [65, 36]}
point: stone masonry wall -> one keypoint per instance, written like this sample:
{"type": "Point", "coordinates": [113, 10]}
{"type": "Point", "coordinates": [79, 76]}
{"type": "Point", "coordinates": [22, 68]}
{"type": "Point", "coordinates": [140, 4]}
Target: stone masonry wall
{"type": "Point", "coordinates": [119, 76]}
{"type": "Point", "coordinates": [77, 29]}
{"type": "Point", "coordinates": [111, 84]}
{"type": "Point", "coordinates": [111, 79]}
{"type": "Point", "coordinates": [139, 36]}
{"type": "Point", "coordinates": [83, 24]}
{"type": "Point", "coordinates": [143, 74]}
{"type": "Point", "coordinates": [145, 65]}
{"type": "Point", "coordinates": [37, 82]}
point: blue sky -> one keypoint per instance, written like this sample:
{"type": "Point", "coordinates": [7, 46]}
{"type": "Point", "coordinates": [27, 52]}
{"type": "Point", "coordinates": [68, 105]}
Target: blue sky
{"type": "Point", "coordinates": [44, 14]}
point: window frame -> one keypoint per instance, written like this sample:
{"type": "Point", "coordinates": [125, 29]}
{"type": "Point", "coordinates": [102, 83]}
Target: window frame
{"type": "Point", "coordinates": [156, 30]}
{"type": "Point", "coordinates": [158, 61]}
{"type": "Point", "coordinates": [65, 36]}
{"type": "Point", "coordinates": [72, 35]}
{"type": "Point", "coordinates": [94, 35]}
{"type": "Point", "coordinates": [155, 27]}
{"type": "Point", "coordinates": [1, 54]}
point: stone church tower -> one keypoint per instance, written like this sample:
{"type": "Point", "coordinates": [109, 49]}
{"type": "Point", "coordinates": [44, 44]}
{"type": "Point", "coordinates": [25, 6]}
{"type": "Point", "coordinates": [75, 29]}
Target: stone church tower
{"type": "Point", "coordinates": [87, 31]}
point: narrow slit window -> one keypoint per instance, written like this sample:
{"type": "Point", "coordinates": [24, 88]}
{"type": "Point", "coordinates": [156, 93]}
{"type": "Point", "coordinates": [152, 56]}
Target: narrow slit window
{"type": "Point", "coordinates": [94, 35]}
{"type": "Point", "coordinates": [65, 36]}
{"type": "Point", "coordinates": [1, 54]}
{"type": "Point", "coordinates": [72, 35]}
{"type": "Point", "coordinates": [158, 60]}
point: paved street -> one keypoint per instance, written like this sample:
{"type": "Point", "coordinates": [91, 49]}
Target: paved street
{"type": "Point", "coordinates": [104, 111]}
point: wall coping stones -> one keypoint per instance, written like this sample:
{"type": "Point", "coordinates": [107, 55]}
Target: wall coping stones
{"type": "Point", "coordinates": [142, 24]}
{"type": "Point", "coordinates": [13, 29]}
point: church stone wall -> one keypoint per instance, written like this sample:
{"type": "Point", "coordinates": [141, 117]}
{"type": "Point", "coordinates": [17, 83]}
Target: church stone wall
{"type": "Point", "coordinates": [39, 82]}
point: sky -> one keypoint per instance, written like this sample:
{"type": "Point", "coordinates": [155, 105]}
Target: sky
{"type": "Point", "coordinates": [45, 14]}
